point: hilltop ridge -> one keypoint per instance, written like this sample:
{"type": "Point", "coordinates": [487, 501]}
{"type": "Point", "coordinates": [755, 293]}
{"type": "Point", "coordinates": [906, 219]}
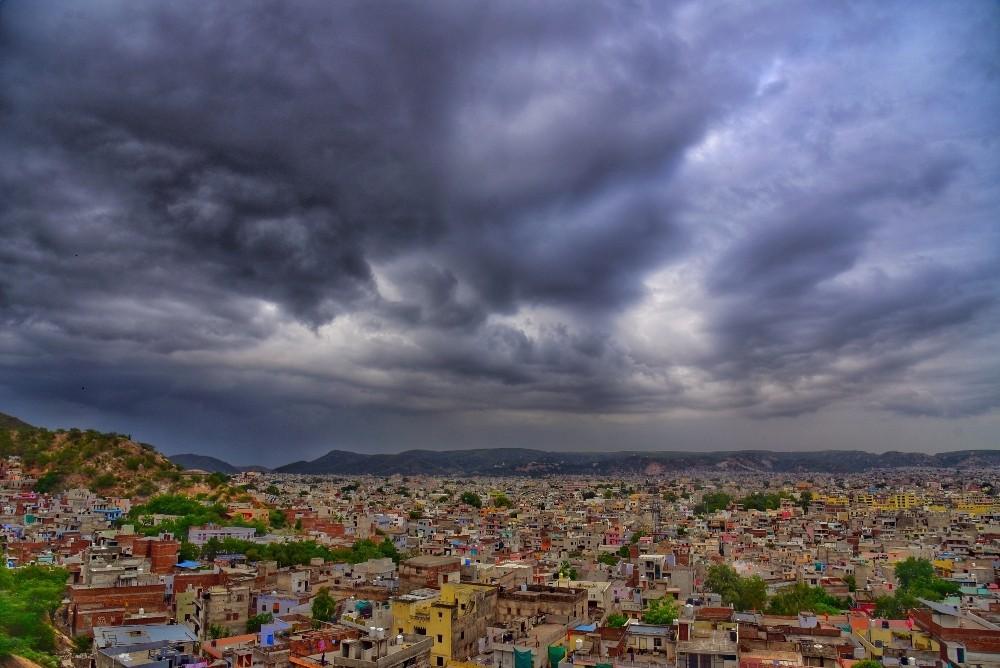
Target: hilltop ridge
{"type": "Point", "coordinates": [92, 459]}
{"type": "Point", "coordinates": [109, 463]}
{"type": "Point", "coordinates": [523, 461]}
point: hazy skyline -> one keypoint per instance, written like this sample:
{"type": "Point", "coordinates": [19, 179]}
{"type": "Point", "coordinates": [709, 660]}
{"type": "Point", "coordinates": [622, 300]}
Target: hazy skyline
{"type": "Point", "coordinates": [264, 230]}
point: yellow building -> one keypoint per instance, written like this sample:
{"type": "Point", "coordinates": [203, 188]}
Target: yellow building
{"type": "Point", "coordinates": [900, 501]}
{"type": "Point", "coordinates": [455, 618]}
{"type": "Point", "coordinates": [877, 634]}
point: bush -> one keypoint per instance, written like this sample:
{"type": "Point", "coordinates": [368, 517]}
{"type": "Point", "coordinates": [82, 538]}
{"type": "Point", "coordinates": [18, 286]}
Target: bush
{"type": "Point", "coordinates": [608, 559]}
{"type": "Point", "coordinates": [254, 623]}
{"type": "Point", "coordinates": [616, 620]}
{"type": "Point", "coordinates": [102, 482]}
{"type": "Point", "coordinates": [28, 598]}
{"type": "Point", "coordinates": [663, 611]}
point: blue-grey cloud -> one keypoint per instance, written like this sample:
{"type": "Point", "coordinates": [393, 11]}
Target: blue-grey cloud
{"type": "Point", "coordinates": [336, 214]}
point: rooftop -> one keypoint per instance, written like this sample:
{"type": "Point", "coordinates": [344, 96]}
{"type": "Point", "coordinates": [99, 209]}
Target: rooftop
{"type": "Point", "coordinates": [139, 634]}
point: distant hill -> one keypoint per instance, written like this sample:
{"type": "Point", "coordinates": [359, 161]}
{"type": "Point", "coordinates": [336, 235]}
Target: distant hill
{"type": "Point", "coordinates": [519, 461]}
{"type": "Point", "coordinates": [108, 463]}
{"type": "Point", "coordinates": [203, 463]}
{"type": "Point", "coordinates": [11, 422]}
{"type": "Point", "coordinates": [211, 464]}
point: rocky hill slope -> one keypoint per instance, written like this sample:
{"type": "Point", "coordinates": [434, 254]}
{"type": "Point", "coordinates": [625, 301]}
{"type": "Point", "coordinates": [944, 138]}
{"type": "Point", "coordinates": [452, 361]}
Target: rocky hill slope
{"type": "Point", "coordinates": [111, 464]}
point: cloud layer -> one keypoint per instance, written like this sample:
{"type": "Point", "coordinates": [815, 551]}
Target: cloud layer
{"type": "Point", "coordinates": [381, 224]}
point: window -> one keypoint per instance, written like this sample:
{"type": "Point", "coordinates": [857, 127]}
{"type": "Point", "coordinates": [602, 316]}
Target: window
{"type": "Point", "coordinates": [440, 661]}
{"type": "Point", "coordinates": [440, 638]}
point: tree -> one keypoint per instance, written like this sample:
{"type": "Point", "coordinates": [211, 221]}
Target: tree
{"type": "Point", "coordinates": [608, 559]}
{"type": "Point", "coordinates": [215, 632]}
{"type": "Point", "coordinates": [867, 663]}
{"type": "Point", "coordinates": [323, 605]}
{"type": "Point", "coordinates": [188, 552]}
{"type": "Point", "coordinates": [793, 600]}
{"type": "Point", "coordinates": [102, 482]}
{"type": "Point", "coordinates": [216, 479]}
{"type": "Point", "coordinates": [712, 502]}
{"type": "Point", "coordinates": [913, 570]}
{"type": "Point", "coordinates": [501, 500]}
{"type": "Point", "coordinates": [624, 552]}
{"type": "Point", "coordinates": [254, 623]}
{"type": "Point", "coordinates": [277, 519]}
{"type": "Point", "coordinates": [758, 501]}
{"type": "Point", "coordinates": [211, 549]}
{"type": "Point", "coordinates": [724, 581]}
{"type": "Point", "coordinates": [852, 583]}
{"type": "Point", "coordinates": [471, 499]}
{"type": "Point", "coordinates": [663, 611]}
{"type": "Point", "coordinates": [48, 482]}
{"type": "Point", "coordinates": [916, 580]}
{"type": "Point", "coordinates": [752, 594]}
{"type": "Point", "coordinates": [82, 644]}
{"type": "Point", "coordinates": [28, 597]}
{"type": "Point", "coordinates": [739, 592]}
{"type": "Point", "coordinates": [566, 571]}
{"type": "Point", "coordinates": [616, 620]}
{"type": "Point", "coordinates": [805, 498]}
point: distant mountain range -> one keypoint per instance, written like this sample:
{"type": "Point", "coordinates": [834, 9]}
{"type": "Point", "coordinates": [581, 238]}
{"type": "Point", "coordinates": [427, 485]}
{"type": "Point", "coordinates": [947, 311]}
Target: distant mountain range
{"type": "Point", "coordinates": [518, 461]}
{"type": "Point", "coordinates": [14, 435]}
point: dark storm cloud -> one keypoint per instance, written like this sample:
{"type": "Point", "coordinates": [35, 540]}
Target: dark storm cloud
{"type": "Point", "coordinates": [331, 213]}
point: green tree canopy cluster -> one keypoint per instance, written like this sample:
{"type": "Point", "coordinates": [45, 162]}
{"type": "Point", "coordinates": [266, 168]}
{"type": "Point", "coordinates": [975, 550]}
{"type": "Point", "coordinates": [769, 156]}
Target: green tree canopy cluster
{"type": "Point", "coordinates": [616, 620]}
{"type": "Point", "coordinates": [190, 512]}
{"type": "Point", "coordinates": [750, 593]}
{"type": "Point", "coordinates": [761, 501]}
{"type": "Point", "coordinates": [28, 598]}
{"type": "Point", "coordinates": [867, 663]}
{"type": "Point", "coordinates": [801, 597]}
{"type": "Point", "coordinates": [713, 502]}
{"type": "Point", "coordinates": [916, 580]}
{"type": "Point", "coordinates": [254, 623]}
{"type": "Point", "coordinates": [566, 571]}
{"type": "Point", "coordinates": [740, 592]}
{"type": "Point", "coordinates": [608, 559]}
{"type": "Point", "coordinates": [471, 499]}
{"type": "Point", "coordinates": [323, 605]}
{"type": "Point", "coordinates": [662, 611]}
{"type": "Point", "coordinates": [300, 552]}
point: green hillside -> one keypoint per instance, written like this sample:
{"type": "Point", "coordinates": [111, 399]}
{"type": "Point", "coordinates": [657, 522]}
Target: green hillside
{"type": "Point", "coordinates": [108, 463]}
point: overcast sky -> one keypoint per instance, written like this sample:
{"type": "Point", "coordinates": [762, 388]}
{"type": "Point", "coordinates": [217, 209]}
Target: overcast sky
{"type": "Point", "coordinates": [262, 230]}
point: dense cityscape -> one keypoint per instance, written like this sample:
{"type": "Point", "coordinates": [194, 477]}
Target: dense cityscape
{"type": "Point", "coordinates": [682, 569]}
